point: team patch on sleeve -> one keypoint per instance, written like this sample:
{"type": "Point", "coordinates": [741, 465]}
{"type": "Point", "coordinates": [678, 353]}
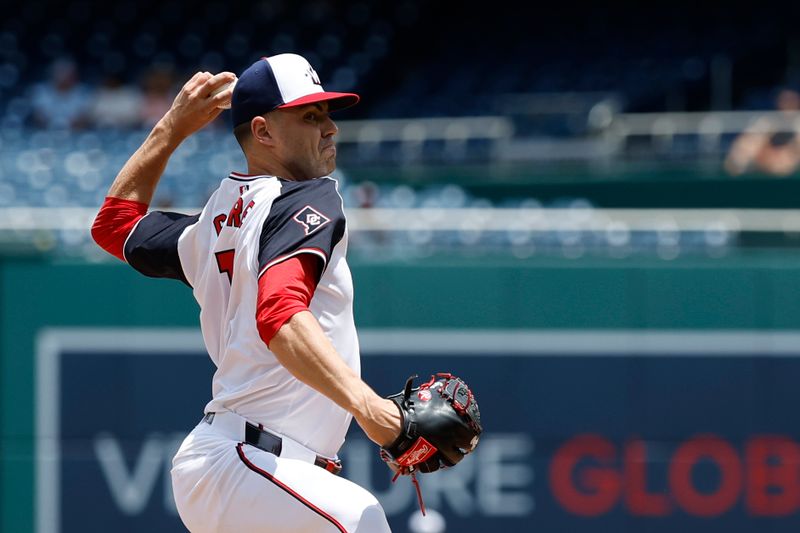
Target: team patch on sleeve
{"type": "Point", "coordinates": [307, 217]}
{"type": "Point", "coordinates": [310, 219]}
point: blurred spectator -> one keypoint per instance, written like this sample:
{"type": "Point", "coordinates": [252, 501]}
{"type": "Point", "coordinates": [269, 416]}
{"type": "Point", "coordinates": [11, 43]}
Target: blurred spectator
{"type": "Point", "coordinates": [769, 146]}
{"type": "Point", "coordinates": [366, 195]}
{"type": "Point", "coordinates": [159, 91]}
{"type": "Point", "coordinates": [116, 105]}
{"type": "Point", "coordinates": [62, 102]}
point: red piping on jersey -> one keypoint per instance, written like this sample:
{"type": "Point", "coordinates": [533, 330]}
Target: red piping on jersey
{"type": "Point", "coordinates": [285, 290]}
{"type": "Point", "coordinates": [316, 251]}
{"type": "Point", "coordinates": [287, 489]}
{"type": "Point", "coordinates": [114, 222]}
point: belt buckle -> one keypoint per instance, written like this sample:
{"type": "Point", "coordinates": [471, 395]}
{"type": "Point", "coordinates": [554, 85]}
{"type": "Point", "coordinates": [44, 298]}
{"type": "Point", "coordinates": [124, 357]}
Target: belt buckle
{"type": "Point", "coordinates": [256, 435]}
{"type": "Point", "coordinates": [262, 439]}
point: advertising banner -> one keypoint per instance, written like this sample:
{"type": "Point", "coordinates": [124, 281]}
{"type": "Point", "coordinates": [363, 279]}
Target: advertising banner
{"type": "Point", "coordinates": [584, 431]}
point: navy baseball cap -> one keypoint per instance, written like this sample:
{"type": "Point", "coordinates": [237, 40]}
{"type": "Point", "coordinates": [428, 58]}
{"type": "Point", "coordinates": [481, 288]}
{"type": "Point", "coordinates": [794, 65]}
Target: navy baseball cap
{"type": "Point", "coordinates": [284, 80]}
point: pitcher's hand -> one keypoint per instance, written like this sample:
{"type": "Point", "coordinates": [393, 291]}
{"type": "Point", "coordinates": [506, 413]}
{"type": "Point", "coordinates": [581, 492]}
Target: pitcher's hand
{"type": "Point", "coordinates": [194, 107]}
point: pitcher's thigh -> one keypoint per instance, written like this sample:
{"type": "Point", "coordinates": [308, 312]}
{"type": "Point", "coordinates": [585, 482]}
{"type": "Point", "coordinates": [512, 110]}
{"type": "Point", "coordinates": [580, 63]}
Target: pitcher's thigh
{"type": "Point", "coordinates": [260, 493]}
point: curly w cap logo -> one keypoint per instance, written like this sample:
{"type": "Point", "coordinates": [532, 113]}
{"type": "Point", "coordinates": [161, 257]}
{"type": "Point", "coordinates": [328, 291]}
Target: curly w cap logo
{"type": "Point", "coordinates": [310, 219]}
{"type": "Point", "coordinates": [311, 73]}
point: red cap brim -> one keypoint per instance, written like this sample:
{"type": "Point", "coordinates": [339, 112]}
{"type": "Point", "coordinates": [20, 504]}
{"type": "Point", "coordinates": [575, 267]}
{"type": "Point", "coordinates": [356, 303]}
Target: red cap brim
{"type": "Point", "coordinates": [336, 101]}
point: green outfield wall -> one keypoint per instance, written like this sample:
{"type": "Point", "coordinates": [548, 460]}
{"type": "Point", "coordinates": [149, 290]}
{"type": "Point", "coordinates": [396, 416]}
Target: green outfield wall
{"type": "Point", "coordinates": [757, 291]}
{"type": "Point", "coordinates": [637, 185]}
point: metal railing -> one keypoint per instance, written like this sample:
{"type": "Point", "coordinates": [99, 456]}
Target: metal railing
{"type": "Point", "coordinates": [425, 129]}
{"type": "Point", "coordinates": [24, 219]}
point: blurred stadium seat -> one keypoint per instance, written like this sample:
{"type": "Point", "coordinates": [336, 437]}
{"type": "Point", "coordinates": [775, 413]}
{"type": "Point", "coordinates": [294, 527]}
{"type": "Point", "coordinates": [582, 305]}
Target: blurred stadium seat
{"type": "Point", "coordinates": [568, 115]}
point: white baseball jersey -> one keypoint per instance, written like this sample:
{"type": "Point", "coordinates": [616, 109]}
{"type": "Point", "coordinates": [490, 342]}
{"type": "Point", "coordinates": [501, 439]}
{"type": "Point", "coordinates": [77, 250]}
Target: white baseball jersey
{"type": "Point", "coordinates": [248, 225]}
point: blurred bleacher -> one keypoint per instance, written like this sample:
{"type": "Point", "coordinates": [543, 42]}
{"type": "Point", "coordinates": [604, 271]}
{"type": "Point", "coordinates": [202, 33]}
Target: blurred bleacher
{"type": "Point", "coordinates": [526, 109]}
{"type": "Point", "coordinates": [422, 59]}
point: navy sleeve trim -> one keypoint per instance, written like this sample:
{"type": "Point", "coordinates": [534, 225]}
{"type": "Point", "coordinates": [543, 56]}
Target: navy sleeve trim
{"type": "Point", "coordinates": [152, 246]}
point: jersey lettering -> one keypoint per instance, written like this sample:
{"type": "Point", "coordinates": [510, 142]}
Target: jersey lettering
{"type": "Point", "coordinates": [225, 262]}
{"type": "Point", "coordinates": [219, 220]}
{"type": "Point", "coordinates": [247, 208]}
{"type": "Point", "coordinates": [235, 217]}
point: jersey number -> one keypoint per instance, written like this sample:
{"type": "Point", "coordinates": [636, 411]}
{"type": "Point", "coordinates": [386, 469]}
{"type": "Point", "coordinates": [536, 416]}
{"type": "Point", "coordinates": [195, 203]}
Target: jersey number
{"type": "Point", "coordinates": [225, 263]}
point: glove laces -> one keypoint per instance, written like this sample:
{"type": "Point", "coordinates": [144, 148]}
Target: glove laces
{"type": "Point", "coordinates": [415, 481]}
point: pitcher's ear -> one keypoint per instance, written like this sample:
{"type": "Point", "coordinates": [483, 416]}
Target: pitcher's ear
{"type": "Point", "coordinates": [261, 128]}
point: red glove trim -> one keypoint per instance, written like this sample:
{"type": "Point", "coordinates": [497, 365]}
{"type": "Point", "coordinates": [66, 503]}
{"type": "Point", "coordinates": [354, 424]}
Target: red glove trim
{"type": "Point", "coordinates": [284, 290]}
{"type": "Point", "coordinates": [114, 223]}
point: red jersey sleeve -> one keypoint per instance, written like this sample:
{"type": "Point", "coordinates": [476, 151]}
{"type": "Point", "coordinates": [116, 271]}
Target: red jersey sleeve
{"type": "Point", "coordinates": [284, 289]}
{"type": "Point", "coordinates": [114, 223]}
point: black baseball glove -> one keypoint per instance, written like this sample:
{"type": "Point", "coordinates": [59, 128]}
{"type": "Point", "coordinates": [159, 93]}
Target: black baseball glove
{"type": "Point", "coordinates": [441, 424]}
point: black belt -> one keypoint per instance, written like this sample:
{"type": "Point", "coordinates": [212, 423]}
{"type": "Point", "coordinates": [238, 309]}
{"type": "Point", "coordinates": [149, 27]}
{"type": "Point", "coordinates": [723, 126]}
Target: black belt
{"type": "Point", "coordinates": [269, 442]}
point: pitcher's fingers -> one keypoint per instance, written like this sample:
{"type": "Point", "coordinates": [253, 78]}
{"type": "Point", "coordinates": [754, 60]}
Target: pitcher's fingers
{"type": "Point", "coordinates": [197, 81]}
{"type": "Point", "coordinates": [216, 81]}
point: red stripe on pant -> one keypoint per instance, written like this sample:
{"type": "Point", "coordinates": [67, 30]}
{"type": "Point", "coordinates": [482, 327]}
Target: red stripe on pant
{"type": "Point", "coordinates": [287, 489]}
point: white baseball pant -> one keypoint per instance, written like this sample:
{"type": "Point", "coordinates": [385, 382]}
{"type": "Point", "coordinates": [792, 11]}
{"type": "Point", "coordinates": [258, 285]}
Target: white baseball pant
{"type": "Point", "coordinates": [222, 485]}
